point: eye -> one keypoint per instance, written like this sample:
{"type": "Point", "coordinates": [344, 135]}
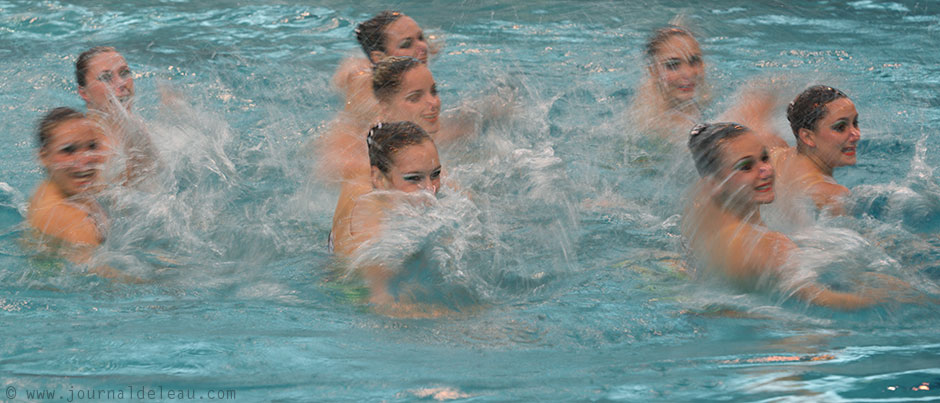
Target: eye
{"type": "Point", "coordinates": [413, 97]}
{"type": "Point", "coordinates": [421, 36]}
{"type": "Point", "coordinates": [105, 77]}
{"type": "Point", "coordinates": [695, 60]}
{"type": "Point", "coordinates": [414, 178]}
{"type": "Point", "coordinates": [672, 65]}
{"type": "Point", "coordinates": [125, 73]}
{"type": "Point", "coordinates": [436, 174]}
{"type": "Point", "coordinates": [405, 44]}
{"type": "Point", "coordinates": [744, 165]}
{"type": "Point", "coordinates": [839, 127]}
{"type": "Point", "coordinates": [765, 157]}
{"type": "Point", "coordinates": [855, 123]}
{"type": "Point", "coordinates": [434, 89]}
{"type": "Point", "coordinates": [93, 145]}
{"type": "Point", "coordinates": [69, 149]}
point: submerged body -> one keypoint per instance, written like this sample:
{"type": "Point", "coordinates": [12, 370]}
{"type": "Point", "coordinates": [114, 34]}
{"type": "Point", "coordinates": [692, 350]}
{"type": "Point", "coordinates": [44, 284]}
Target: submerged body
{"type": "Point", "coordinates": [724, 227]}
{"type": "Point", "coordinates": [106, 84]}
{"type": "Point", "coordinates": [825, 123]}
{"type": "Point", "coordinates": [403, 159]}
{"type": "Point", "coordinates": [669, 101]}
{"type": "Point", "coordinates": [387, 34]}
{"type": "Point", "coordinates": [406, 91]}
{"type": "Point", "coordinates": [63, 210]}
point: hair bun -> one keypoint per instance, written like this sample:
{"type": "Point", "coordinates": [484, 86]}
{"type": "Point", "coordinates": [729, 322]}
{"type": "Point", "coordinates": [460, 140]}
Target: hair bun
{"type": "Point", "coordinates": [698, 129]}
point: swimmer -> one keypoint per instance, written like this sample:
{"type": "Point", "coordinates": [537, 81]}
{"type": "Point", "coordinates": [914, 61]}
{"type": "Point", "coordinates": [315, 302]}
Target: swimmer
{"type": "Point", "coordinates": [389, 33]}
{"type": "Point", "coordinates": [670, 99]}
{"type": "Point", "coordinates": [106, 83]}
{"type": "Point", "coordinates": [63, 210]}
{"type": "Point", "coordinates": [724, 226]}
{"type": "Point", "coordinates": [403, 158]}
{"type": "Point", "coordinates": [406, 91]}
{"type": "Point", "coordinates": [825, 123]}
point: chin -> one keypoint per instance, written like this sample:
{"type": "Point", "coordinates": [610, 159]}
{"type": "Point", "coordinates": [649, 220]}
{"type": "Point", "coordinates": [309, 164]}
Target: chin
{"type": "Point", "coordinates": [432, 129]}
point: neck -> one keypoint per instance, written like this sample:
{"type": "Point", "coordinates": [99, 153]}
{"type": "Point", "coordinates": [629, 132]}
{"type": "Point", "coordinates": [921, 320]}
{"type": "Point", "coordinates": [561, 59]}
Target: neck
{"type": "Point", "coordinates": [818, 164]}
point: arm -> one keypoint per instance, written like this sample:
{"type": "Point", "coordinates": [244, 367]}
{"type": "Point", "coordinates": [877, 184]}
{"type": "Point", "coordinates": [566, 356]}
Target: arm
{"type": "Point", "coordinates": [755, 109]}
{"type": "Point", "coordinates": [342, 154]}
{"type": "Point", "coordinates": [771, 254]}
{"type": "Point", "coordinates": [365, 225]}
{"type": "Point", "coordinates": [353, 79]}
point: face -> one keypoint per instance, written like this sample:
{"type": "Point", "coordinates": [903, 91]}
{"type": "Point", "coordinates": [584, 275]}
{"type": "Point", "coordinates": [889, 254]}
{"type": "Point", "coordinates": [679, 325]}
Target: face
{"type": "Point", "coordinates": [679, 68]}
{"type": "Point", "coordinates": [416, 167]}
{"type": "Point", "coordinates": [837, 134]}
{"type": "Point", "coordinates": [405, 38]}
{"type": "Point", "coordinates": [747, 176]}
{"type": "Point", "coordinates": [108, 81]}
{"type": "Point", "coordinates": [74, 155]}
{"type": "Point", "coordinates": [416, 101]}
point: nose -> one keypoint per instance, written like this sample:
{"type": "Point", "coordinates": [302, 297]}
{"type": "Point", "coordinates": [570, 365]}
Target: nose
{"type": "Point", "coordinates": [434, 101]}
{"type": "Point", "coordinates": [855, 134]}
{"type": "Point", "coordinates": [122, 85]}
{"type": "Point", "coordinates": [426, 184]}
{"type": "Point", "coordinates": [765, 170]}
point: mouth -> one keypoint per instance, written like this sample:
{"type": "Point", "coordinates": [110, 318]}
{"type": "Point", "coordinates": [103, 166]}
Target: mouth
{"type": "Point", "coordinates": [765, 187]}
{"type": "Point", "coordinates": [431, 118]}
{"type": "Point", "coordinates": [686, 88]}
{"type": "Point", "coordinates": [850, 150]}
{"type": "Point", "coordinates": [86, 175]}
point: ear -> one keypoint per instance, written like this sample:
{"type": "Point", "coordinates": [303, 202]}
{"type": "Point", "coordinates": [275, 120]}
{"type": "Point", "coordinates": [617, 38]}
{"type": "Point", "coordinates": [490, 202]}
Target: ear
{"type": "Point", "coordinates": [807, 137]}
{"type": "Point", "coordinates": [82, 93]}
{"type": "Point", "coordinates": [376, 56]}
{"type": "Point", "coordinates": [379, 181]}
{"type": "Point", "coordinates": [43, 156]}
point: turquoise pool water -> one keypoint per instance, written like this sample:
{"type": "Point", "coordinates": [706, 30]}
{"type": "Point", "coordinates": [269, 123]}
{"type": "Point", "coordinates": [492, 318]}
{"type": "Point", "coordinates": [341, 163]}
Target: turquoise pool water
{"type": "Point", "coordinates": [562, 262]}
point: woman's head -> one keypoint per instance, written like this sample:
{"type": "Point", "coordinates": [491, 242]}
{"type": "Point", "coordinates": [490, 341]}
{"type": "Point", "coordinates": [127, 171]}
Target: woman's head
{"type": "Point", "coordinates": [735, 161]}
{"type": "Point", "coordinates": [406, 91]}
{"type": "Point", "coordinates": [403, 157]}
{"type": "Point", "coordinates": [71, 148]}
{"type": "Point", "coordinates": [675, 62]}
{"type": "Point", "coordinates": [391, 33]}
{"type": "Point", "coordinates": [104, 78]}
{"type": "Point", "coordinates": [825, 123]}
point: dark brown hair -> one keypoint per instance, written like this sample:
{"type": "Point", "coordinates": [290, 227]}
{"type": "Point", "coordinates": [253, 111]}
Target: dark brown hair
{"type": "Point", "coordinates": [705, 144]}
{"type": "Point", "coordinates": [662, 35]}
{"type": "Point", "coordinates": [386, 139]}
{"type": "Point", "coordinates": [371, 33]}
{"type": "Point", "coordinates": [53, 119]}
{"type": "Point", "coordinates": [387, 75]}
{"type": "Point", "coordinates": [81, 64]}
{"type": "Point", "coordinates": [810, 106]}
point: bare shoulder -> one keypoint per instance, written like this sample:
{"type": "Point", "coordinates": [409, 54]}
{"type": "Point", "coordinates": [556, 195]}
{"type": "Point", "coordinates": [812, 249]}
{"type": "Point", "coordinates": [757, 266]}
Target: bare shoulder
{"type": "Point", "coordinates": [53, 215]}
{"type": "Point", "coordinates": [828, 191]}
{"type": "Point", "coordinates": [829, 196]}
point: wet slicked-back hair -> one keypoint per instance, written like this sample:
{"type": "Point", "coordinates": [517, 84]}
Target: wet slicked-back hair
{"type": "Point", "coordinates": [386, 139]}
{"type": "Point", "coordinates": [81, 64]}
{"type": "Point", "coordinates": [53, 119]}
{"type": "Point", "coordinates": [387, 75]}
{"type": "Point", "coordinates": [662, 35]}
{"type": "Point", "coordinates": [810, 106]}
{"type": "Point", "coordinates": [371, 33]}
{"type": "Point", "coordinates": [705, 142]}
